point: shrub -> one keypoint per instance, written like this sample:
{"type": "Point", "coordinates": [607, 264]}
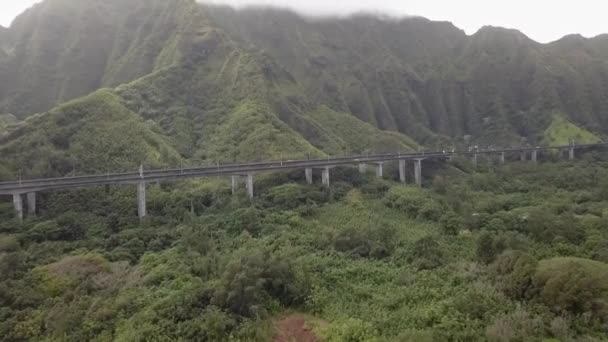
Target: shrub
{"type": "Point", "coordinates": [67, 227]}
{"type": "Point", "coordinates": [242, 219]}
{"type": "Point", "coordinates": [519, 325]}
{"type": "Point", "coordinates": [488, 247]}
{"type": "Point", "coordinates": [251, 281]}
{"type": "Point", "coordinates": [514, 272]}
{"type": "Point", "coordinates": [291, 196]}
{"type": "Point", "coordinates": [415, 202]}
{"type": "Point", "coordinates": [451, 223]}
{"type": "Point", "coordinates": [350, 330]}
{"type": "Point", "coordinates": [427, 254]}
{"type": "Point", "coordinates": [366, 241]}
{"type": "Point", "coordinates": [480, 301]}
{"type": "Point", "coordinates": [573, 285]}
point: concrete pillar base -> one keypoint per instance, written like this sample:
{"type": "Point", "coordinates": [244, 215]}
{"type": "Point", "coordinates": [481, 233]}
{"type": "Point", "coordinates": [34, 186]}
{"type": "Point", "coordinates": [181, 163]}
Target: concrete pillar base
{"type": "Point", "coordinates": [402, 171]}
{"type": "Point", "coordinates": [380, 170]}
{"type": "Point", "coordinates": [418, 172]}
{"type": "Point", "coordinates": [325, 177]}
{"type": "Point", "coordinates": [362, 168]}
{"type": "Point", "coordinates": [18, 204]}
{"type": "Point", "coordinates": [309, 176]}
{"type": "Point", "coordinates": [534, 156]}
{"type": "Point", "coordinates": [502, 158]}
{"type": "Point", "coordinates": [250, 185]}
{"type": "Point", "coordinates": [235, 184]}
{"type": "Point", "coordinates": [31, 203]}
{"type": "Point", "coordinates": [571, 153]}
{"type": "Point", "coordinates": [141, 200]}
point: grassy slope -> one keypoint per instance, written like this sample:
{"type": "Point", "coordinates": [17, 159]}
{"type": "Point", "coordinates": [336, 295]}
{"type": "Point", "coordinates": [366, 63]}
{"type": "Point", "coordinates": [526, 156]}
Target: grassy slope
{"type": "Point", "coordinates": [562, 132]}
{"type": "Point", "coordinates": [341, 133]}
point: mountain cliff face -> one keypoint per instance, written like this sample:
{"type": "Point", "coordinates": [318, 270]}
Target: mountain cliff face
{"type": "Point", "coordinates": [64, 49]}
{"type": "Point", "coordinates": [218, 84]}
{"type": "Point", "coordinates": [415, 75]}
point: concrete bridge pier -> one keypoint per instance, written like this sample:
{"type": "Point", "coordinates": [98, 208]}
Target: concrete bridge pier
{"type": "Point", "coordinates": [475, 160]}
{"type": "Point", "coordinates": [534, 156]}
{"type": "Point", "coordinates": [502, 158]}
{"type": "Point", "coordinates": [325, 177]}
{"type": "Point", "coordinates": [18, 204]}
{"type": "Point", "coordinates": [571, 153]}
{"type": "Point", "coordinates": [235, 184]}
{"type": "Point", "coordinates": [250, 185]}
{"type": "Point", "coordinates": [141, 200]}
{"type": "Point", "coordinates": [31, 203]}
{"type": "Point", "coordinates": [380, 170]}
{"type": "Point", "coordinates": [362, 168]}
{"type": "Point", "coordinates": [418, 171]}
{"type": "Point", "coordinates": [309, 176]}
{"type": "Point", "coordinates": [402, 171]}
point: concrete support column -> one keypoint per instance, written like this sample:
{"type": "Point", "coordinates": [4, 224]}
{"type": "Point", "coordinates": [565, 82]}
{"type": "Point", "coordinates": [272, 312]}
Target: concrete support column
{"type": "Point", "coordinates": [325, 177]}
{"type": "Point", "coordinates": [362, 168]}
{"type": "Point", "coordinates": [309, 176]}
{"type": "Point", "coordinates": [250, 185]}
{"type": "Point", "coordinates": [502, 158]}
{"type": "Point", "coordinates": [141, 200]}
{"type": "Point", "coordinates": [418, 171]}
{"type": "Point", "coordinates": [31, 203]}
{"type": "Point", "coordinates": [571, 153]}
{"type": "Point", "coordinates": [18, 204]}
{"type": "Point", "coordinates": [534, 156]}
{"type": "Point", "coordinates": [235, 184]}
{"type": "Point", "coordinates": [522, 155]}
{"type": "Point", "coordinates": [475, 160]}
{"type": "Point", "coordinates": [402, 171]}
{"type": "Point", "coordinates": [380, 170]}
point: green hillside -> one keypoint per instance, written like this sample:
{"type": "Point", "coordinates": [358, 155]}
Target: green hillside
{"type": "Point", "coordinates": [63, 49]}
{"type": "Point", "coordinates": [86, 135]}
{"type": "Point", "coordinates": [563, 132]}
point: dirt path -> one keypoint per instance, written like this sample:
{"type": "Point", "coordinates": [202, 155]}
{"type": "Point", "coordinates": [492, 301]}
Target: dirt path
{"type": "Point", "coordinates": [294, 328]}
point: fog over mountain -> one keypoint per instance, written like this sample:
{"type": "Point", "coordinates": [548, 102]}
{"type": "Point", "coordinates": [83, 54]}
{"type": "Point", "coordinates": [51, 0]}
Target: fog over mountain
{"type": "Point", "coordinates": [542, 20]}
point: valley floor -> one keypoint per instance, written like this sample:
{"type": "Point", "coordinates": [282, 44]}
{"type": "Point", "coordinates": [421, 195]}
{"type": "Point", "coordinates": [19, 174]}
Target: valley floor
{"type": "Point", "coordinates": [516, 253]}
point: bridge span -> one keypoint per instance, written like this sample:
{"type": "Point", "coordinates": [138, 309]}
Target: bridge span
{"type": "Point", "coordinates": [139, 178]}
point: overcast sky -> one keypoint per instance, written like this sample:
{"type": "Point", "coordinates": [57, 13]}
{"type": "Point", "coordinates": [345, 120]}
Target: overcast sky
{"type": "Point", "coordinates": [542, 20]}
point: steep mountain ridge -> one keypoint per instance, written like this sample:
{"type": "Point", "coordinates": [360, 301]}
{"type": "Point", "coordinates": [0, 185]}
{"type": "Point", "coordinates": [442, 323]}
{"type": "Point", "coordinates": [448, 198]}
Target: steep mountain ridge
{"type": "Point", "coordinates": [64, 49]}
{"type": "Point", "coordinates": [226, 85]}
{"type": "Point", "coordinates": [414, 75]}
{"type": "Point", "coordinates": [215, 102]}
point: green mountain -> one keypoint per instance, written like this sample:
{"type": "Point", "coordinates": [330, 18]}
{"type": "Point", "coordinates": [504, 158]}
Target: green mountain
{"type": "Point", "coordinates": [414, 75]}
{"type": "Point", "coordinates": [224, 85]}
{"type": "Point", "coordinates": [63, 49]}
{"type": "Point", "coordinates": [211, 98]}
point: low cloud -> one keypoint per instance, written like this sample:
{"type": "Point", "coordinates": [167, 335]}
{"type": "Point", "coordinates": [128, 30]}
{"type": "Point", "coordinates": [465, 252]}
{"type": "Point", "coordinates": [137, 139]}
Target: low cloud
{"type": "Point", "coordinates": [322, 8]}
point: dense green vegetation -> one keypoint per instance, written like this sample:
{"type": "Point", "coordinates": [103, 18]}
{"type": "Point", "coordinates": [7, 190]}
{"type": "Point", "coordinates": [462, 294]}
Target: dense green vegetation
{"type": "Point", "coordinates": [512, 253]}
{"type": "Point", "coordinates": [516, 253]}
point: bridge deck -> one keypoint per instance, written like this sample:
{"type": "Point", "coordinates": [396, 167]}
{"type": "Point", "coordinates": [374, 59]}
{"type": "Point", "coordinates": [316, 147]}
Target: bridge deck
{"type": "Point", "coordinates": [34, 185]}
